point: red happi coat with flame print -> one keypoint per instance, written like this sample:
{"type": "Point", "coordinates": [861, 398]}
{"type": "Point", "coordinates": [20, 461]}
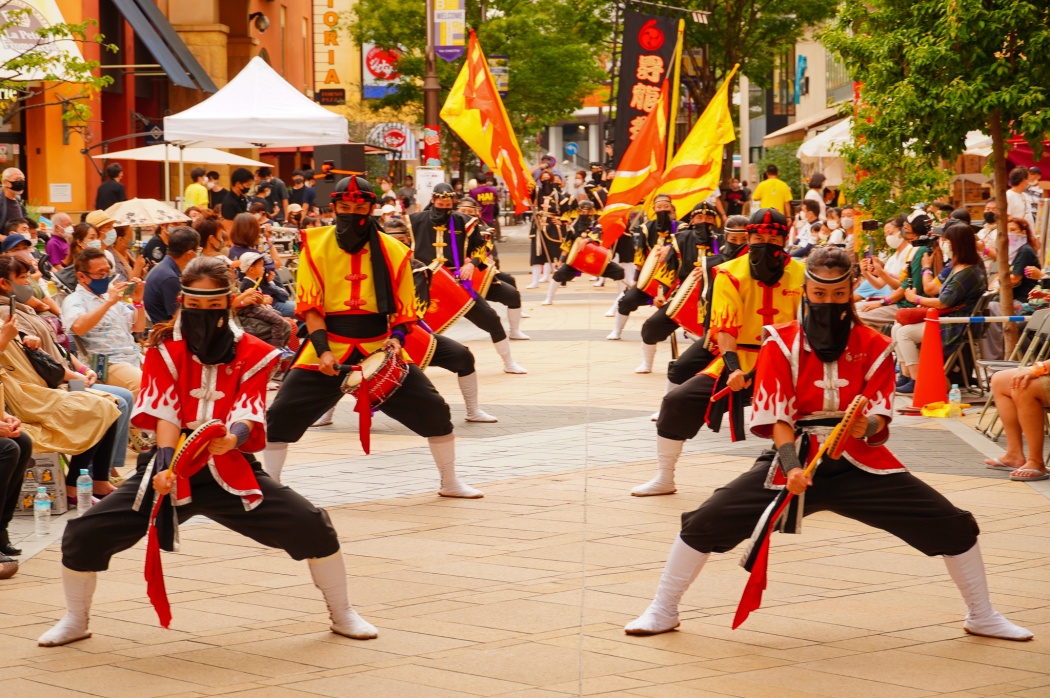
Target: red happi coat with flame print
{"type": "Point", "coordinates": [792, 384]}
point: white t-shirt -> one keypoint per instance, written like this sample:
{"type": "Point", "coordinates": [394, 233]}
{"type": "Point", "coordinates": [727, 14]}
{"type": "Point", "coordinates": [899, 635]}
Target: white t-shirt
{"type": "Point", "coordinates": [894, 264]}
{"type": "Point", "coordinates": [1017, 206]}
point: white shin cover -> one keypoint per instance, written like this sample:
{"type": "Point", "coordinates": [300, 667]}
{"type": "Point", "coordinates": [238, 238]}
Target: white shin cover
{"type": "Point", "coordinates": [79, 588]}
{"type": "Point", "coordinates": [329, 575]}
{"type": "Point", "coordinates": [468, 386]}
{"type": "Point", "coordinates": [443, 449]}
{"type": "Point", "coordinates": [967, 571]}
{"type": "Point", "coordinates": [274, 456]}
{"type": "Point", "coordinates": [683, 566]}
{"type": "Point", "coordinates": [667, 453]}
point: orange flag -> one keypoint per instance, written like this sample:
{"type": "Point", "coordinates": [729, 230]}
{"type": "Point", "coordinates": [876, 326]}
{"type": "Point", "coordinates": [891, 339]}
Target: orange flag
{"type": "Point", "coordinates": [641, 170]}
{"type": "Point", "coordinates": [475, 112]}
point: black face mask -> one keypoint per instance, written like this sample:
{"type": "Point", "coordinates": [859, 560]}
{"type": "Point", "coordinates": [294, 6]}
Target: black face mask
{"type": "Point", "coordinates": [20, 185]}
{"type": "Point", "coordinates": [208, 334]}
{"type": "Point", "coordinates": [440, 216]}
{"type": "Point", "coordinates": [827, 327]}
{"type": "Point", "coordinates": [663, 220]}
{"type": "Point", "coordinates": [547, 187]}
{"type": "Point", "coordinates": [703, 233]}
{"type": "Point", "coordinates": [767, 262]}
{"type": "Point", "coordinates": [352, 231]}
{"type": "Point", "coordinates": [989, 217]}
{"type": "Point", "coordinates": [730, 251]}
{"type": "Point", "coordinates": [584, 221]}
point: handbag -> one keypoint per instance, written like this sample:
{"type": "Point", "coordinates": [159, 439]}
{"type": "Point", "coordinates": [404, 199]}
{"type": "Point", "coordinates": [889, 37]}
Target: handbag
{"type": "Point", "coordinates": [59, 332]}
{"type": "Point", "coordinates": [45, 365]}
{"type": "Point", "coordinates": [910, 316]}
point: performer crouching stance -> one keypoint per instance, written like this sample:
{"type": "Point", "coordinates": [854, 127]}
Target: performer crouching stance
{"type": "Point", "coordinates": [197, 369]}
{"type": "Point", "coordinates": [807, 374]}
{"type": "Point", "coordinates": [355, 293]}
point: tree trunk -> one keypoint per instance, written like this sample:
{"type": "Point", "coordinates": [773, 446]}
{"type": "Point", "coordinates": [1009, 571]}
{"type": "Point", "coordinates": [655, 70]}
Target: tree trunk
{"type": "Point", "coordinates": [1002, 240]}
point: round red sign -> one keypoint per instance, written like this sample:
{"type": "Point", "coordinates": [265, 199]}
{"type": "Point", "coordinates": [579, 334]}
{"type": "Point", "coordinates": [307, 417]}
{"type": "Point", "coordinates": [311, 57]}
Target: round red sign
{"type": "Point", "coordinates": [394, 138]}
{"type": "Point", "coordinates": [382, 63]}
{"type": "Point", "coordinates": [651, 38]}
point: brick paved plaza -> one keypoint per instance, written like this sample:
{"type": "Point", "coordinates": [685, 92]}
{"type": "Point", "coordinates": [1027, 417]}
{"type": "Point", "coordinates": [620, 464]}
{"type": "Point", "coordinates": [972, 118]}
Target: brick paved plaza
{"type": "Point", "coordinates": [525, 592]}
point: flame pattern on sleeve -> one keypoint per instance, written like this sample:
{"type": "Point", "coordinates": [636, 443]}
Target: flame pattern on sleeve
{"type": "Point", "coordinates": [774, 402]}
{"type": "Point", "coordinates": [726, 304]}
{"type": "Point", "coordinates": [248, 408]}
{"type": "Point", "coordinates": [156, 402]}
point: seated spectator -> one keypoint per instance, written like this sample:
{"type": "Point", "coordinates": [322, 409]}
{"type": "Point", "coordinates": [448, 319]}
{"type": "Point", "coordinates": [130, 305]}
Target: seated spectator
{"type": "Point", "coordinates": [311, 222]}
{"type": "Point", "coordinates": [17, 225]}
{"type": "Point", "coordinates": [17, 246]}
{"type": "Point", "coordinates": [279, 298]}
{"type": "Point", "coordinates": [16, 454]}
{"type": "Point", "coordinates": [295, 216]}
{"type": "Point", "coordinates": [125, 266]}
{"type": "Point", "coordinates": [156, 248]}
{"type": "Point", "coordinates": [259, 210]}
{"type": "Point", "coordinates": [214, 238]}
{"type": "Point", "coordinates": [95, 313]}
{"type": "Point", "coordinates": [85, 236]}
{"type": "Point", "coordinates": [965, 285]}
{"type": "Point", "coordinates": [35, 333]}
{"type": "Point", "coordinates": [1024, 277]}
{"type": "Point", "coordinates": [162, 285]}
{"type": "Point", "coordinates": [38, 233]}
{"type": "Point", "coordinates": [1022, 396]}
{"type": "Point", "coordinates": [882, 312]}
{"type": "Point", "coordinates": [77, 423]}
{"type": "Point", "coordinates": [194, 213]}
{"type": "Point", "coordinates": [262, 196]}
{"type": "Point", "coordinates": [246, 236]}
{"type": "Point", "coordinates": [256, 313]}
{"type": "Point", "coordinates": [57, 248]}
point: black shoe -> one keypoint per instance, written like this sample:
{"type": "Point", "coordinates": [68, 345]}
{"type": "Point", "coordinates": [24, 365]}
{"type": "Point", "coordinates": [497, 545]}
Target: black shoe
{"type": "Point", "coordinates": [6, 548]}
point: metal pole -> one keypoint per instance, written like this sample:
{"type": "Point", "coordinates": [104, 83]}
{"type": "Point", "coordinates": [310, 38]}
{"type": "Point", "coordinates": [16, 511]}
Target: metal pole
{"type": "Point", "coordinates": [745, 126]}
{"type": "Point", "coordinates": [431, 90]}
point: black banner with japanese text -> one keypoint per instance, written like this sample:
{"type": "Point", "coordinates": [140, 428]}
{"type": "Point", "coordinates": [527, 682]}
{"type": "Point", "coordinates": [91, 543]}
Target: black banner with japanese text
{"type": "Point", "coordinates": [646, 57]}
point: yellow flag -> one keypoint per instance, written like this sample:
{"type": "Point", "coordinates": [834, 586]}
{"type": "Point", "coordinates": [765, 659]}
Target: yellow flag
{"type": "Point", "coordinates": [697, 167]}
{"type": "Point", "coordinates": [475, 112]}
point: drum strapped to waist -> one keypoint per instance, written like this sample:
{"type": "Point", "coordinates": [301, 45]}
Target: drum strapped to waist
{"type": "Point", "coordinates": [383, 371]}
{"type": "Point", "coordinates": [481, 280]}
{"type": "Point", "coordinates": [449, 301]}
{"type": "Point", "coordinates": [588, 257]}
{"type": "Point", "coordinates": [684, 305]}
{"type": "Point", "coordinates": [420, 345]}
{"type": "Point", "coordinates": [647, 281]}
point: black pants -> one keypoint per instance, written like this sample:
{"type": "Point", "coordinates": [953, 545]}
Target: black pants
{"type": "Point", "coordinates": [632, 299]}
{"type": "Point", "coordinates": [306, 395]}
{"type": "Point", "coordinates": [452, 356]}
{"type": "Point", "coordinates": [624, 248]}
{"type": "Point", "coordinates": [658, 327]}
{"type": "Point", "coordinates": [96, 460]}
{"type": "Point", "coordinates": [504, 290]}
{"type": "Point", "coordinates": [485, 318]}
{"type": "Point", "coordinates": [548, 249]}
{"type": "Point", "coordinates": [15, 457]}
{"type": "Point", "coordinates": [899, 503]}
{"type": "Point", "coordinates": [285, 519]}
{"type": "Point", "coordinates": [566, 273]}
{"type": "Point", "coordinates": [690, 362]}
{"type": "Point", "coordinates": [684, 409]}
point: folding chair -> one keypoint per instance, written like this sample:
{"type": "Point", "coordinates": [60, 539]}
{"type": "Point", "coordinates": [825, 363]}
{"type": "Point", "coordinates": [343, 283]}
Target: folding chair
{"type": "Point", "coordinates": [1037, 335]}
{"type": "Point", "coordinates": [969, 344]}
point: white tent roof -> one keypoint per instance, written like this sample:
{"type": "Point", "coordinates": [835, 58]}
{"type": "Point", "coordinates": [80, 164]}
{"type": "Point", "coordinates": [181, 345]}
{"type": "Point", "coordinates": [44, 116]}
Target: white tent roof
{"type": "Point", "coordinates": [826, 144]}
{"type": "Point", "coordinates": [257, 108]}
{"type": "Point", "coordinates": [172, 153]}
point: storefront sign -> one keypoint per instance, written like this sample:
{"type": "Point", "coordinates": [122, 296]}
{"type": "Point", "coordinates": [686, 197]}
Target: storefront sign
{"type": "Point", "coordinates": [398, 136]}
{"type": "Point", "coordinates": [647, 55]}
{"type": "Point", "coordinates": [61, 193]}
{"type": "Point", "coordinates": [333, 50]}
{"type": "Point", "coordinates": [450, 29]}
{"type": "Point", "coordinates": [500, 73]}
{"type": "Point", "coordinates": [330, 98]}
{"type": "Point", "coordinates": [379, 73]}
{"type": "Point", "coordinates": [26, 19]}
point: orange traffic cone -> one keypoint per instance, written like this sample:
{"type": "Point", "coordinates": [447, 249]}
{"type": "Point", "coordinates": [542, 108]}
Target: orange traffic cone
{"type": "Point", "coordinates": [930, 386]}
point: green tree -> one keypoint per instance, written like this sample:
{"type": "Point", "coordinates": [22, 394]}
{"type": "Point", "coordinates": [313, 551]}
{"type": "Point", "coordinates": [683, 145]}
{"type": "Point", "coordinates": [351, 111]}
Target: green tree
{"type": "Point", "coordinates": [552, 50]}
{"type": "Point", "coordinates": [891, 181]}
{"type": "Point", "coordinates": [753, 33]}
{"type": "Point", "coordinates": [934, 70]}
{"type": "Point", "coordinates": [41, 66]}
{"type": "Point", "coordinates": [788, 166]}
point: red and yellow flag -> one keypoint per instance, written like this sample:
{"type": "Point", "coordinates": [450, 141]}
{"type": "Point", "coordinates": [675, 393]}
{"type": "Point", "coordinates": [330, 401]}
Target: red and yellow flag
{"type": "Point", "coordinates": [475, 112]}
{"type": "Point", "coordinates": [697, 167]}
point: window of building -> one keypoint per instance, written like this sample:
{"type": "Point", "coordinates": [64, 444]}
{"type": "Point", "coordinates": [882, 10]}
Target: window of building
{"type": "Point", "coordinates": [839, 84]}
{"type": "Point", "coordinates": [784, 83]}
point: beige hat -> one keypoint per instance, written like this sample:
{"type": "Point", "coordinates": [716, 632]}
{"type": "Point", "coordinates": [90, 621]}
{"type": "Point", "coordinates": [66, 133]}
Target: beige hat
{"type": "Point", "coordinates": [98, 219]}
{"type": "Point", "coordinates": [389, 208]}
{"type": "Point", "coordinates": [294, 208]}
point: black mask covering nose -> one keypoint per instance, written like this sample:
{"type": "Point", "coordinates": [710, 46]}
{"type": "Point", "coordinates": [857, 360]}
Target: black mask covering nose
{"type": "Point", "coordinates": [663, 220]}
{"type": "Point", "coordinates": [352, 231]}
{"type": "Point", "coordinates": [208, 334]}
{"type": "Point", "coordinates": [440, 216]}
{"type": "Point", "coordinates": [827, 327]}
{"type": "Point", "coordinates": [767, 262]}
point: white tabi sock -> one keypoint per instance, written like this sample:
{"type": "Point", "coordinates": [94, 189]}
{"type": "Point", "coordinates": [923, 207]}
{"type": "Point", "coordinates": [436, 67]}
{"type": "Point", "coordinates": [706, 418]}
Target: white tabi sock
{"type": "Point", "coordinates": [648, 354]}
{"type": "Point", "coordinates": [79, 587]}
{"type": "Point", "coordinates": [683, 566]}
{"type": "Point", "coordinates": [329, 575]}
{"type": "Point", "coordinates": [468, 385]}
{"type": "Point", "coordinates": [509, 364]}
{"type": "Point", "coordinates": [443, 449]}
{"type": "Point", "coordinates": [514, 316]}
{"type": "Point", "coordinates": [967, 571]}
{"type": "Point", "coordinates": [274, 456]}
{"type": "Point", "coordinates": [667, 453]}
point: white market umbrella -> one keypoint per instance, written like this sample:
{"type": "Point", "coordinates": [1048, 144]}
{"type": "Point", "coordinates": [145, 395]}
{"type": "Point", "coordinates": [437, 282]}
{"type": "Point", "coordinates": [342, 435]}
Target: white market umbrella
{"type": "Point", "coordinates": [167, 152]}
{"type": "Point", "coordinates": [145, 212]}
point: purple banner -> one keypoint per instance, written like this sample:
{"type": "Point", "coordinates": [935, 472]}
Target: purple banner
{"type": "Point", "coordinates": [450, 29]}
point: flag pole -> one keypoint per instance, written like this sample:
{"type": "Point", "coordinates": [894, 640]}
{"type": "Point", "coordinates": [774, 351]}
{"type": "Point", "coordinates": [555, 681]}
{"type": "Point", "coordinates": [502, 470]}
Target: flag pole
{"type": "Point", "coordinates": [676, 83]}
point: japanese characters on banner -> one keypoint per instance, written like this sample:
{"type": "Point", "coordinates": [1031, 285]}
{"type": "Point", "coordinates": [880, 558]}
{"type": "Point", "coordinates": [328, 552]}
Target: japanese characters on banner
{"type": "Point", "coordinates": [450, 29]}
{"type": "Point", "coordinates": [646, 56]}
{"type": "Point", "coordinates": [379, 71]}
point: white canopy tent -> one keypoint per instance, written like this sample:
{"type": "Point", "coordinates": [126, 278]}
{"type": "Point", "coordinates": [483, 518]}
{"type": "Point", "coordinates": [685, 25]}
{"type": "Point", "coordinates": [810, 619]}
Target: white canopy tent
{"type": "Point", "coordinates": [820, 153]}
{"type": "Point", "coordinates": [257, 109]}
{"type": "Point", "coordinates": [167, 152]}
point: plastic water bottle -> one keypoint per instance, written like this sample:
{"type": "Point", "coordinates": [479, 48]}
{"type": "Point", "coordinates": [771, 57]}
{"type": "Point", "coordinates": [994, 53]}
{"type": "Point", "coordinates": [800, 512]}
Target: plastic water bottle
{"type": "Point", "coordinates": [42, 512]}
{"type": "Point", "coordinates": [955, 401]}
{"type": "Point", "coordinates": [84, 487]}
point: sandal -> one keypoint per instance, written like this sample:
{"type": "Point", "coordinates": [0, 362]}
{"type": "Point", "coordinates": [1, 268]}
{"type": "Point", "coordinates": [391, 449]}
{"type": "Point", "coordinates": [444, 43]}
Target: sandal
{"type": "Point", "coordinates": [1019, 476]}
{"type": "Point", "coordinates": [996, 464]}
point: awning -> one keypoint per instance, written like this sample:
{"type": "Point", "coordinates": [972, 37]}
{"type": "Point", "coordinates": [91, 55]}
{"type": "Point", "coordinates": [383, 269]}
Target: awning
{"type": "Point", "coordinates": [172, 153]}
{"type": "Point", "coordinates": [165, 45]}
{"type": "Point", "coordinates": [369, 150]}
{"type": "Point", "coordinates": [797, 131]}
{"type": "Point", "coordinates": [21, 37]}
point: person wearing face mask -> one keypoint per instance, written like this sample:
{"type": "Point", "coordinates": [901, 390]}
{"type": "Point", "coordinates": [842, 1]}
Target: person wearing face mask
{"type": "Point", "coordinates": [503, 289]}
{"type": "Point", "coordinates": [85, 236]}
{"type": "Point", "coordinates": [301, 194]}
{"type": "Point", "coordinates": [236, 199]}
{"type": "Point", "coordinates": [794, 405]}
{"type": "Point", "coordinates": [12, 205]}
{"type": "Point", "coordinates": [201, 367]}
{"type": "Point", "coordinates": [96, 312]}
{"type": "Point", "coordinates": [690, 250]}
{"type": "Point", "coordinates": [161, 296]}
{"type": "Point", "coordinates": [16, 245]}
{"type": "Point", "coordinates": [964, 286]}
{"type": "Point", "coordinates": [57, 248]}
{"type": "Point", "coordinates": [884, 275]}
{"type": "Point", "coordinates": [381, 300]}
{"type": "Point", "coordinates": [652, 238]}
{"type": "Point", "coordinates": [1025, 273]}
{"type": "Point", "coordinates": [752, 290]}
{"type": "Point", "coordinates": [104, 225]}
{"type": "Point", "coordinates": [546, 231]}
{"type": "Point", "coordinates": [585, 225]}
{"type": "Point", "coordinates": [441, 236]}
